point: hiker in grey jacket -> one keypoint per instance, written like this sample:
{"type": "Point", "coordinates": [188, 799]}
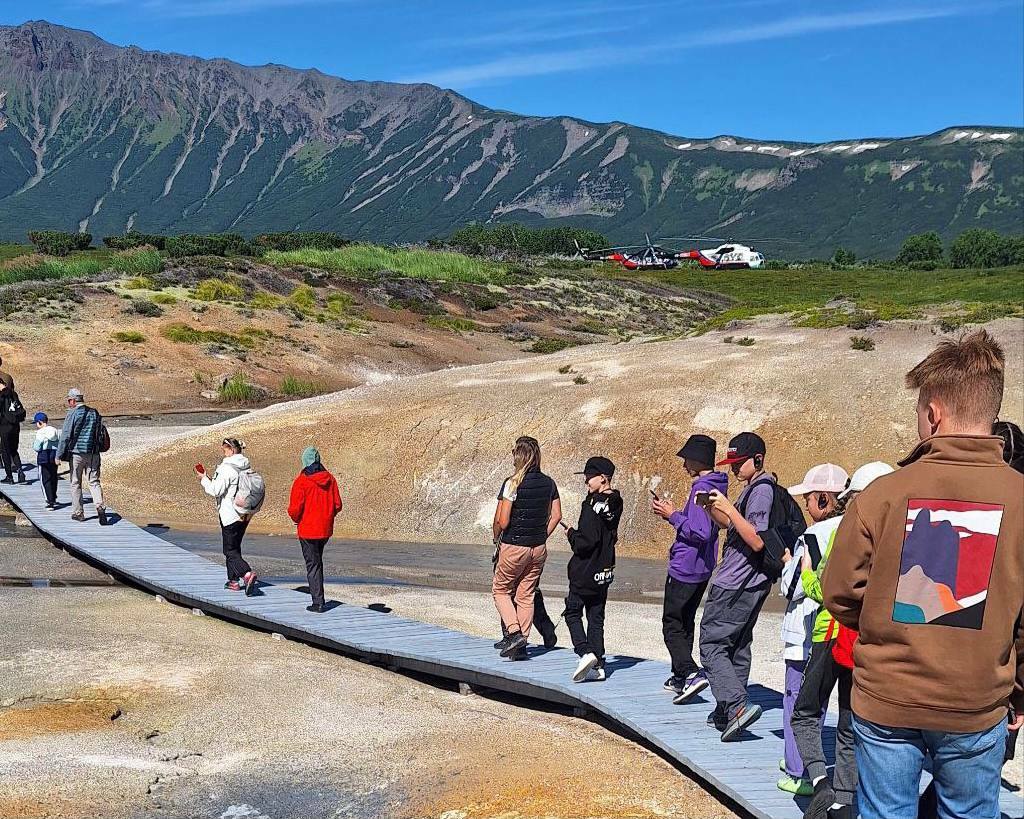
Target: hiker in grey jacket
{"type": "Point", "coordinates": [80, 447]}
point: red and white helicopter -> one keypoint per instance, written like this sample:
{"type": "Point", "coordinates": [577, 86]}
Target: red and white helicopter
{"type": "Point", "coordinates": [728, 255]}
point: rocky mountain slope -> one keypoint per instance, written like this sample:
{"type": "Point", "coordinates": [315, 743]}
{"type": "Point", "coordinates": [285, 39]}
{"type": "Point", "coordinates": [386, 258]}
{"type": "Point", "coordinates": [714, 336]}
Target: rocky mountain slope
{"type": "Point", "coordinates": [122, 138]}
{"type": "Point", "coordinates": [421, 458]}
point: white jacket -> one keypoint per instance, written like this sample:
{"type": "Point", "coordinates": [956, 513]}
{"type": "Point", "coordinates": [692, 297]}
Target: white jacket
{"type": "Point", "coordinates": [798, 621]}
{"type": "Point", "coordinates": [223, 486]}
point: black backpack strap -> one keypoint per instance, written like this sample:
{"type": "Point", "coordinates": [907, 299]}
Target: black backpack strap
{"type": "Point", "coordinates": [811, 545]}
{"type": "Point", "coordinates": [742, 508]}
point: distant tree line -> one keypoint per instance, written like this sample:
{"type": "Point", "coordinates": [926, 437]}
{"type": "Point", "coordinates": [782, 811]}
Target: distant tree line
{"type": "Point", "coordinates": [519, 239]}
{"type": "Point", "coordinates": [972, 248]}
{"type": "Point", "coordinates": [57, 243]}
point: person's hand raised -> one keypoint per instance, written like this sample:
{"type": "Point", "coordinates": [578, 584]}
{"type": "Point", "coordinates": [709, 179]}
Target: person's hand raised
{"type": "Point", "coordinates": [663, 508]}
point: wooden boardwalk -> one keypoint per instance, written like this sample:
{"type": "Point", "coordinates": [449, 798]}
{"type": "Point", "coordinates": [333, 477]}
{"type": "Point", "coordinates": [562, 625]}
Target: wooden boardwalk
{"type": "Point", "coordinates": [744, 772]}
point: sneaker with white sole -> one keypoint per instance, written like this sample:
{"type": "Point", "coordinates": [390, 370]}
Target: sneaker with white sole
{"type": "Point", "coordinates": [596, 675]}
{"type": "Point", "coordinates": [746, 716]}
{"type": "Point", "coordinates": [695, 683]}
{"type": "Point", "coordinates": [586, 663]}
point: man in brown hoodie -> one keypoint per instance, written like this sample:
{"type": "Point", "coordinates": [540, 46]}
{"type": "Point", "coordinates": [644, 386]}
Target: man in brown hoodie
{"type": "Point", "coordinates": [928, 564]}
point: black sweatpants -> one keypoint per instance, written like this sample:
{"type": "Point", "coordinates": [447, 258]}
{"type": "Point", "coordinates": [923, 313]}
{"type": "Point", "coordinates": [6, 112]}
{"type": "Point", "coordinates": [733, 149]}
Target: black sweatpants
{"type": "Point", "coordinates": [9, 440]}
{"type": "Point", "coordinates": [678, 618]}
{"type": "Point", "coordinates": [821, 675]}
{"type": "Point", "coordinates": [231, 536]}
{"type": "Point", "coordinates": [48, 480]}
{"type": "Point", "coordinates": [313, 554]}
{"type": "Point", "coordinates": [588, 640]}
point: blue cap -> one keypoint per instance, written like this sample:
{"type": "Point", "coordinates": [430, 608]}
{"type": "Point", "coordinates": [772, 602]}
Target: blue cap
{"type": "Point", "coordinates": [41, 416]}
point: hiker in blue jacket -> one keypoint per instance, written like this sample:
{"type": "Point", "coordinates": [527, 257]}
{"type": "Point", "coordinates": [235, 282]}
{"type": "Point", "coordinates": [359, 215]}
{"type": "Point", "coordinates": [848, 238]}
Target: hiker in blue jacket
{"type": "Point", "coordinates": [80, 441]}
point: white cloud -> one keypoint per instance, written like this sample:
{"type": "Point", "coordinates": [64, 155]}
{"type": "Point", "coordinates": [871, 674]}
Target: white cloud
{"type": "Point", "coordinates": [613, 53]}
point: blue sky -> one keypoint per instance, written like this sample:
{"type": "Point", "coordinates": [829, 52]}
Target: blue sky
{"type": "Point", "coordinates": [772, 69]}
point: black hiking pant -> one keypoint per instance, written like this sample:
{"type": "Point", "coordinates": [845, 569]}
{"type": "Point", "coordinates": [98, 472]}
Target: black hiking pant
{"type": "Point", "coordinates": [313, 554]}
{"type": "Point", "coordinates": [821, 675]}
{"type": "Point", "coordinates": [231, 537]}
{"type": "Point", "coordinates": [9, 440]}
{"type": "Point", "coordinates": [678, 623]}
{"type": "Point", "coordinates": [589, 639]}
{"type": "Point", "coordinates": [48, 480]}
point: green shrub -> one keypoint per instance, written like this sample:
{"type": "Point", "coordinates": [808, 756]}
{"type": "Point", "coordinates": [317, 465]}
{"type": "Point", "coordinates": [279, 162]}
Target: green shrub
{"type": "Point", "coordinates": [368, 260]}
{"type": "Point", "coordinates": [565, 369]}
{"type": "Point", "coordinates": [265, 301]}
{"type": "Point", "coordinates": [298, 388]}
{"type": "Point", "coordinates": [515, 238]}
{"type": "Point", "coordinates": [164, 298]}
{"type": "Point", "coordinates": [861, 343]}
{"type": "Point", "coordinates": [338, 304]}
{"type": "Point", "coordinates": [843, 257]}
{"type": "Point", "coordinates": [217, 290]}
{"type": "Point", "coordinates": [128, 337]}
{"type": "Point", "coordinates": [552, 345]}
{"type": "Point", "coordinates": [728, 339]}
{"type": "Point", "coordinates": [58, 243]}
{"type": "Point", "coordinates": [861, 320]}
{"type": "Point", "coordinates": [985, 248]}
{"type": "Point", "coordinates": [303, 299]}
{"type": "Point", "coordinates": [144, 308]}
{"type": "Point", "coordinates": [185, 334]}
{"type": "Point", "coordinates": [921, 247]}
{"type": "Point", "coordinates": [140, 283]}
{"type": "Point", "coordinates": [214, 244]}
{"type": "Point", "coordinates": [482, 301]}
{"type": "Point", "coordinates": [581, 379]}
{"type": "Point", "coordinates": [142, 261]}
{"type": "Point", "coordinates": [35, 267]}
{"type": "Point", "coordinates": [133, 240]}
{"type": "Point", "coordinates": [746, 341]}
{"type": "Point", "coordinates": [317, 240]}
{"type": "Point", "coordinates": [236, 390]}
{"type": "Point", "coordinates": [923, 264]}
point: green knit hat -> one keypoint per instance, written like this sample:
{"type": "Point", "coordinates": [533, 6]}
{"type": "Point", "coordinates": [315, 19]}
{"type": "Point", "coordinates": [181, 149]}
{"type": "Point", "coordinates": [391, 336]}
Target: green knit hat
{"type": "Point", "coordinates": [310, 456]}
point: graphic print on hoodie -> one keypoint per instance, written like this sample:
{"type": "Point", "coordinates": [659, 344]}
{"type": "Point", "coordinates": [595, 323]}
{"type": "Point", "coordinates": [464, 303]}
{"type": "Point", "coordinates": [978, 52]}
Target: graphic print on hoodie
{"type": "Point", "coordinates": [592, 565]}
{"type": "Point", "coordinates": [946, 562]}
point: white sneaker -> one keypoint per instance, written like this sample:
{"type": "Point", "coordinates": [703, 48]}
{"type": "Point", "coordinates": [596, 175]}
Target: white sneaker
{"type": "Point", "coordinates": [596, 675]}
{"type": "Point", "coordinates": [587, 662]}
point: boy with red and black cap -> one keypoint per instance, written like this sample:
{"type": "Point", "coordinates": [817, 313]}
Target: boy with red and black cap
{"type": "Point", "coordinates": [691, 561]}
{"type": "Point", "coordinates": [592, 567]}
{"type": "Point", "coordinates": [738, 587]}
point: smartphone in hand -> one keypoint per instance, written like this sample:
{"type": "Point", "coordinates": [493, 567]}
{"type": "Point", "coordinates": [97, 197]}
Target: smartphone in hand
{"type": "Point", "coordinates": [702, 499]}
{"type": "Point", "coordinates": [653, 494]}
{"type": "Point", "coordinates": [564, 525]}
{"type": "Point", "coordinates": [200, 469]}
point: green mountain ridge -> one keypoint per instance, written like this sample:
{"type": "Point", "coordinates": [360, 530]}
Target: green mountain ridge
{"type": "Point", "coordinates": [102, 138]}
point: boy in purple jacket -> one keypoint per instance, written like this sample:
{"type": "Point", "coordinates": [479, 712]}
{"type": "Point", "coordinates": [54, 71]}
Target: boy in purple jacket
{"type": "Point", "coordinates": [691, 561]}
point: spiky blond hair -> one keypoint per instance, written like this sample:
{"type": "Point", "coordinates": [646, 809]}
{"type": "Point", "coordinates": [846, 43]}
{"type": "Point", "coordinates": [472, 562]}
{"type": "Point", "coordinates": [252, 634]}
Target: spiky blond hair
{"type": "Point", "coordinates": [965, 375]}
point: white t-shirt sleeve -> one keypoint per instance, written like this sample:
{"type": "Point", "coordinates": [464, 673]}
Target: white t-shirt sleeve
{"type": "Point", "coordinates": [506, 493]}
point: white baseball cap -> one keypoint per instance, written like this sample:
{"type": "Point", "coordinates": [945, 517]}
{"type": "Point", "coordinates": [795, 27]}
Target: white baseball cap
{"type": "Point", "coordinates": [822, 478]}
{"type": "Point", "coordinates": [865, 475]}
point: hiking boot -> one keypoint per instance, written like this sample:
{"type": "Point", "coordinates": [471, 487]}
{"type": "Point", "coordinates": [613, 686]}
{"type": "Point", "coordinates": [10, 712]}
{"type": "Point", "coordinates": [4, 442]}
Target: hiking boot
{"type": "Point", "coordinates": [249, 581]}
{"type": "Point", "coordinates": [519, 655]}
{"type": "Point", "coordinates": [795, 786]}
{"type": "Point", "coordinates": [78, 516]}
{"type": "Point", "coordinates": [516, 641]}
{"type": "Point", "coordinates": [101, 514]}
{"type": "Point", "coordinates": [674, 684]}
{"type": "Point", "coordinates": [718, 720]}
{"type": "Point", "coordinates": [21, 477]}
{"type": "Point", "coordinates": [232, 585]}
{"type": "Point", "coordinates": [587, 662]}
{"type": "Point", "coordinates": [747, 715]}
{"type": "Point", "coordinates": [821, 800]}
{"type": "Point", "coordinates": [316, 608]}
{"type": "Point", "coordinates": [502, 644]}
{"type": "Point", "coordinates": [695, 683]}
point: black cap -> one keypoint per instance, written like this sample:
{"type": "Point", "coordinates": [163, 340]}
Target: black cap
{"type": "Point", "coordinates": [743, 446]}
{"type": "Point", "coordinates": [699, 448]}
{"type": "Point", "coordinates": [598, 466]}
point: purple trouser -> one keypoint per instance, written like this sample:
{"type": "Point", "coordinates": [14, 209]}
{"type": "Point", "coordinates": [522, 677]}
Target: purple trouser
{"type": "Point", "coordinates": [794, 677]}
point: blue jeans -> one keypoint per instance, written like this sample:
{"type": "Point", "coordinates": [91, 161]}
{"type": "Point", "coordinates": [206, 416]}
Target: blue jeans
{"type": "Point", "coordinates": [966, 768]}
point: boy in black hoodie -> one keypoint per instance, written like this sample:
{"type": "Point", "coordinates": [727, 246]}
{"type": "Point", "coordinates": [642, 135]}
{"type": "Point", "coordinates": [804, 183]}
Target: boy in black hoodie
{"type": "Point", "coordinates": [592, 567]}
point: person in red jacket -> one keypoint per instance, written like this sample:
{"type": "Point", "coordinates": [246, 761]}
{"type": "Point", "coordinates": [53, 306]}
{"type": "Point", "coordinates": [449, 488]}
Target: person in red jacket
{"type": "Point", "coordinates": [314, 504]}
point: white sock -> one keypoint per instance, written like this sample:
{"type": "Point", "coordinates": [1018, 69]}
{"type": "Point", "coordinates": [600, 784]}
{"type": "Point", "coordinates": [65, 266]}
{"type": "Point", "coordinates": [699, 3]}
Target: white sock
{"type": "Point", "coordinates": [835, 806]}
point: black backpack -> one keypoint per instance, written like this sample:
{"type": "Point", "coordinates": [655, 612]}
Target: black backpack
{"type": "Point", "coordinates": [785, 525]}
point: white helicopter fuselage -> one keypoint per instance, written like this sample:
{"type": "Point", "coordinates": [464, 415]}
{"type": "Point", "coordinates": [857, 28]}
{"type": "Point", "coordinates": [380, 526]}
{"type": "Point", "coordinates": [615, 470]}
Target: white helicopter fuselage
{"type": "Point", "coordinates": [729, 257]}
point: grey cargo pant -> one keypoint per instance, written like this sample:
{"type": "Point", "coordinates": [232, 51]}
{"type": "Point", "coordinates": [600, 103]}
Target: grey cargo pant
{"type": "Point", "coordinates": [89, 466]}
{"type": "Point", "coordinates": [726, 632]}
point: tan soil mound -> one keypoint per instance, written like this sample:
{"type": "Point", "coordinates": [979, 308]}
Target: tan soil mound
{"type": "Point", "coordinates": [423, 457]}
